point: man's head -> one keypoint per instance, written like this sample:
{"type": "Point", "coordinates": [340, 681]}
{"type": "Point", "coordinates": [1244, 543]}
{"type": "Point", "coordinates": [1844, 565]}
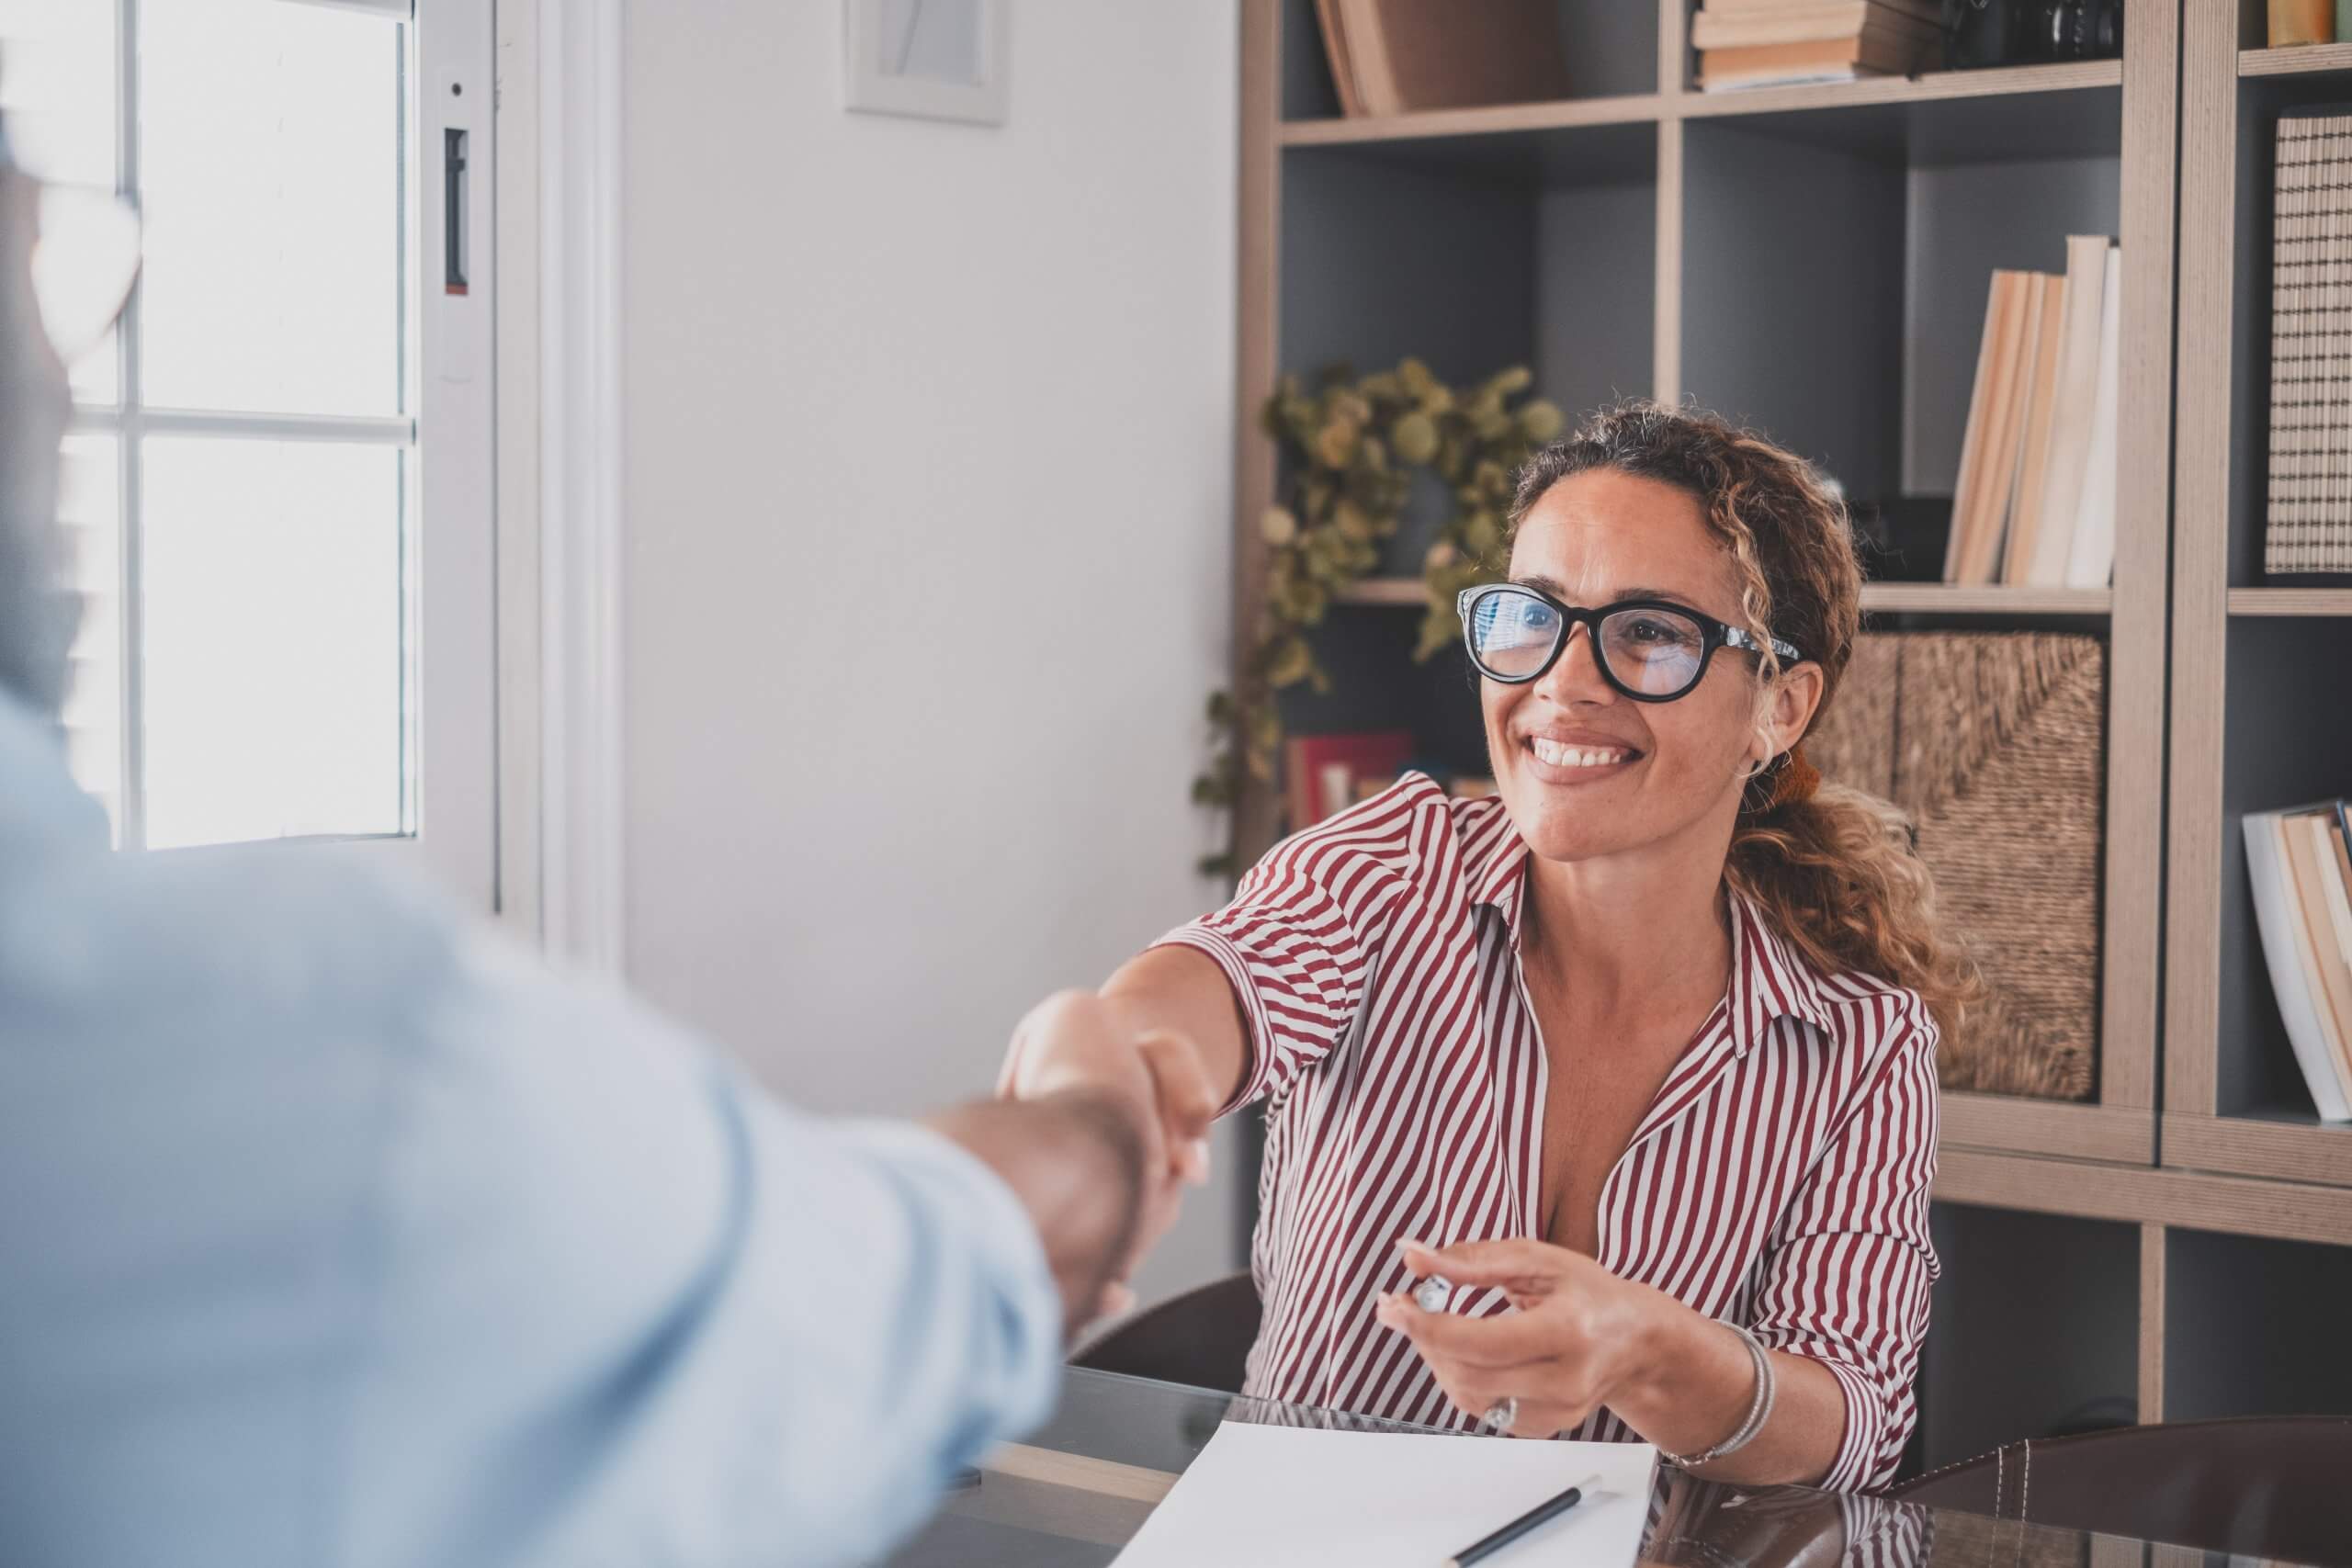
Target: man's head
{"type": "Point", "coordinates": [38, 608]}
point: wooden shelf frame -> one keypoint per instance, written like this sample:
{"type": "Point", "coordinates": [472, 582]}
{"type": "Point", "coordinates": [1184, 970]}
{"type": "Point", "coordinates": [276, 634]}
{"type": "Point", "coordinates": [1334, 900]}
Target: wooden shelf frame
{"type": "Point", "coordinates": [2121, 1123]}
{"type": "Point", "coordinates": [2199, 1132]}
{"type": "Point", "coordinates": [2272, 1176]}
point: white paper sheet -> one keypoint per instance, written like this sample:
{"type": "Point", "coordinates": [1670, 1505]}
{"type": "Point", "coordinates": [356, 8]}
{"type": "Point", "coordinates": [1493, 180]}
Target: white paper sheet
{"type": "Point", "coordinates": [1294, 1494]}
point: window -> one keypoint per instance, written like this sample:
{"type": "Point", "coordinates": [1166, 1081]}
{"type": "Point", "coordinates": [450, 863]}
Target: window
{"type": "Point", "coordinates": [278, 478]}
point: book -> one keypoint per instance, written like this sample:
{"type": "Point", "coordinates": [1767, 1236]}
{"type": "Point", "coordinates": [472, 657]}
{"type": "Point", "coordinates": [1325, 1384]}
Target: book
{"type": "Point", "coordinates": [2070, 428]}
{"type": "Point", "coordinates": [2331, 971]}
{"type": "Point", "coordinates": [1712, 28]}
{"type": "Point", "coordinates": [2003, 455]}
{"type": "Point", "coordinates": [2301, 21]}
{"type": "Point", "coordinates": [2334, 874]}
{"type": "Point", "coordinates": [1818, 60]}
{"type": "Point", "coordinates": [1432, 55]}
{"type": "Point", "coordinates": [1980, 508]}
{"type": "Point", "coordinates": [2090, 563]}
{"type": "Point", "coordinates": [2033, 457]}
{"type": "Point", "coordinates": [2286, 950]}
{"type": "Point", "coordinates": [1320, 771]}
{"type": "Point", "coordinates": [1999, 302]}
{"type": "Point", "coordinates": [1335, 53]}
{"type": "Point", "coordinates": [2307, 525]}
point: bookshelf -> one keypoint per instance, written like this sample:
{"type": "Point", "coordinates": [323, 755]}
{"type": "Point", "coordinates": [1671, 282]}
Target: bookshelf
{"type": "Point", "coordinates": [1814, 259]}
{"type": "Point", "coordinates": [2259, 713]}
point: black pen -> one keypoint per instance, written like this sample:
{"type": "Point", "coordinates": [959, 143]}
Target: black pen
{"type": "Point", "coordinates": [1542, 1514]}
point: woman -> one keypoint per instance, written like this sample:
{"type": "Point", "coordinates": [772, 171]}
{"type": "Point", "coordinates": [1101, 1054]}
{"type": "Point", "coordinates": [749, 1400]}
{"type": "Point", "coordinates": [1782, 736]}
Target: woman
{"type": "Point", "coordinates": [1642, 1046]}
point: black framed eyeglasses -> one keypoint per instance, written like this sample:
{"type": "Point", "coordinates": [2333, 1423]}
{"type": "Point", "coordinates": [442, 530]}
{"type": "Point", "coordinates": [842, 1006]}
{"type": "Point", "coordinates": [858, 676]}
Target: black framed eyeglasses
{"type": "Point", "coordinates": [1652, 650]}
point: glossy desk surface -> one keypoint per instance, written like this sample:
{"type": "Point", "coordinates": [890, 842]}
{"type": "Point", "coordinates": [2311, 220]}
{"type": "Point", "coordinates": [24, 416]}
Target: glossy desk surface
{"type": "Point", "coordinates": [1072, 1495]}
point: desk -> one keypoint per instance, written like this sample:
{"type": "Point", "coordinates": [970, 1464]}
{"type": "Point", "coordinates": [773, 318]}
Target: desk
{"type": "Point", "coordinates": [1073, 1493]}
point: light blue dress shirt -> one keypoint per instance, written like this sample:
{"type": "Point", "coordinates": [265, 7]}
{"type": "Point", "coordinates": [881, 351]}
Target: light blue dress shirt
{"type": "Point", "coordinates": [332, 1234]}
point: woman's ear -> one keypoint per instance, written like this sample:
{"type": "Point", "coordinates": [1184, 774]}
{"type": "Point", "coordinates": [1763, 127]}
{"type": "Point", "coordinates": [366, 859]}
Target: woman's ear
{"type": "Point", "coordinates": [1790, 705]}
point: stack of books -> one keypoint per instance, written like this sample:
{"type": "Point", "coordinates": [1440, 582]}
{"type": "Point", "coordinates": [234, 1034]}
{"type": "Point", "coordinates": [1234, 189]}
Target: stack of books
{"type": "Point", "coordinates": [1769, 44]}
{"type": "Point", "coordinates": [2300, 861]}
{"type": "Point", "coordinates": [2035, 503]}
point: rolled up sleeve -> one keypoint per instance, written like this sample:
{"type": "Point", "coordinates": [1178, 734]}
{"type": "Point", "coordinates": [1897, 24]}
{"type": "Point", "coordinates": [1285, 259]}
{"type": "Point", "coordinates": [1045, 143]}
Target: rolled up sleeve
{"type": "Point", "coordinates": [1847, 1280]}
{"type": "Point", "coordinates": [1295, 944]}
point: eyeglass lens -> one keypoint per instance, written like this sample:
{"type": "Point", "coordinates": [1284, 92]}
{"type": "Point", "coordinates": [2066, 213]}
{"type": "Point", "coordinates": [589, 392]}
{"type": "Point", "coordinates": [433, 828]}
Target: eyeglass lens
{"type": "Point", "coordinates": [1652, 651]}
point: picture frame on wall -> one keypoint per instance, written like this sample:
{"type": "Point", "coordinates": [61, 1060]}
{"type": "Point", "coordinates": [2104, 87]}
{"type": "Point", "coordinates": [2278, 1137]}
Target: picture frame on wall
{"type": "Point", "coordinates": [930, 59]}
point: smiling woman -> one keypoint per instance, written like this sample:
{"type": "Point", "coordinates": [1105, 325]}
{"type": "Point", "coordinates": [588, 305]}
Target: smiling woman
{"type": "Point", "coordinates": [1638, 1053]}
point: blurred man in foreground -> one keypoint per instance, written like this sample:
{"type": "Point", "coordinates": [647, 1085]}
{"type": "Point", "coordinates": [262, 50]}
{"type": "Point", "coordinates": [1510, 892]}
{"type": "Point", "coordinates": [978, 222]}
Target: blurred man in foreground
{"type": "Point", "coordinates": [331, 1233]}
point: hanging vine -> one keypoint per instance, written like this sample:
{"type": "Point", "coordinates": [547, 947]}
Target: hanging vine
{"type": "Point", "coordinates": [1347, 452]}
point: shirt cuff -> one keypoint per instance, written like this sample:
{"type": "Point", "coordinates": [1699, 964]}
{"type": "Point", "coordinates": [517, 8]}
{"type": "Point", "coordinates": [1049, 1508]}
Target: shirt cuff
{"type": "Point", "coordinates": [1857, 1461]}
{"type": "Point", "coordinates": [1236, 965]}
{"type": "Point", "coordinates": [992, 1219]}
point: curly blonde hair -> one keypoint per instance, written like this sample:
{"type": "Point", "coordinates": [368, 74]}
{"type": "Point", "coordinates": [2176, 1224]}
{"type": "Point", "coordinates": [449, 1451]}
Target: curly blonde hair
{"type": "Point", "coordinates": [1834, 869]}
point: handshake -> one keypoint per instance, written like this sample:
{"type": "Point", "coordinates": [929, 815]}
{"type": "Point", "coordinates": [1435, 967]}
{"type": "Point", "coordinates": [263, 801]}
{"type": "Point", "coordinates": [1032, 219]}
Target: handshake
{"type": "Point", "coordinates": [1114, 1119]}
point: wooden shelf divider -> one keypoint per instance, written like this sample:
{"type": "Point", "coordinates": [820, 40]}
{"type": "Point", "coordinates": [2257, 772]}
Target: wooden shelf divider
{"type": "Point", "coordinates": [2308, 60]}
{"type": "Point", "coordinates": [1952, 599]}
{"type": "Point", "coordinates": [2292, 601]}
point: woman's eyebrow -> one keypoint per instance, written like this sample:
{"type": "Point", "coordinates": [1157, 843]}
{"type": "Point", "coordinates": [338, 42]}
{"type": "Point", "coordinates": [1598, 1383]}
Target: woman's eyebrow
{"type": "Point", "coordinates": [1557, 590]}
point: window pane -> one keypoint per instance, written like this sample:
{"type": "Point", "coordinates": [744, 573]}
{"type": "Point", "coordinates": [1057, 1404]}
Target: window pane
{"type": "Point", "coordinates": [57, 91]}
{"type": "Point", "coordinates": [90, 506]}
{"type": "Point", "coordinates": [274, 645]}
{"type": "Point", "coordinates": [270, 156]}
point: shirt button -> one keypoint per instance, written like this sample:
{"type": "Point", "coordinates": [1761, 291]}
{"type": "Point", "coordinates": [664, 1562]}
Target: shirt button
{"type": "Point", "coordinates": [1433, 1292]}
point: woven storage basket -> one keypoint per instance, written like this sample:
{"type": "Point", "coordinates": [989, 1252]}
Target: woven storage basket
{"type": "Point", "coordinates": [1993, 745]}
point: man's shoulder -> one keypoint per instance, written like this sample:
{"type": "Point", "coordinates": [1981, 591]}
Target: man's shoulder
{"type": "Point", "coordinates": [266, 932]}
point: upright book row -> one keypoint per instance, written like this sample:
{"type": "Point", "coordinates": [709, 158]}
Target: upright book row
{"type": "Point", "coordinates": [2035, 504]}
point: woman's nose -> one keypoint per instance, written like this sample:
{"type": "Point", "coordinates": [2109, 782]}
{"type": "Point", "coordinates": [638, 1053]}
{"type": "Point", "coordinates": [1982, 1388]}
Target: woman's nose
{"type": "Point", "coordinates": [1575, 676]}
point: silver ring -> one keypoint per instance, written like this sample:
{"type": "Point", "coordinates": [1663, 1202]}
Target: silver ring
{"type": "Point", "coordinates": [1501, 1415]}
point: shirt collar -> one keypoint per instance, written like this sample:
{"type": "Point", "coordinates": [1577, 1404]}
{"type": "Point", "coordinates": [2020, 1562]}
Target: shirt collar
{"type": "Point", "coordinates": [1770, 979]}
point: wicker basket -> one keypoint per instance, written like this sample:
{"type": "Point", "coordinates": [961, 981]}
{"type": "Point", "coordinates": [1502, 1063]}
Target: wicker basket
{"type": "Point", "coordinates": [1993, 745]}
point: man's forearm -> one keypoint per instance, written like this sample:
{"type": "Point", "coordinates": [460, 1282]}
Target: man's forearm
{"type": "Point", "coordinates": [1075, 1161]}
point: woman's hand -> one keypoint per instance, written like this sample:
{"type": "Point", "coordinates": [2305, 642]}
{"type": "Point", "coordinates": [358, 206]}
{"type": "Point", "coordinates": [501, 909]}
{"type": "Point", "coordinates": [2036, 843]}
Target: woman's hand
{"type": "Point", "coordinates": [1580, 1339]}
{"type": "Point", "coordinates": [1076, 1040]}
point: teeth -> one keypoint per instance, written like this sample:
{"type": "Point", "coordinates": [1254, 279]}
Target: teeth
{"type": "Point", "coordinates": [1560, 756]}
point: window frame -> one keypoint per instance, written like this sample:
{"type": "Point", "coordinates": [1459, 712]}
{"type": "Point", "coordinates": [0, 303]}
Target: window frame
{"type": "Point", "coordinates": [448, 791]}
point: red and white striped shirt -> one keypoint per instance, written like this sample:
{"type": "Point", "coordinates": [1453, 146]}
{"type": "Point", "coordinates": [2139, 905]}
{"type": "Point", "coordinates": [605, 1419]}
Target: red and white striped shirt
{"type": "Point", "coordinates": [1779, 1180]}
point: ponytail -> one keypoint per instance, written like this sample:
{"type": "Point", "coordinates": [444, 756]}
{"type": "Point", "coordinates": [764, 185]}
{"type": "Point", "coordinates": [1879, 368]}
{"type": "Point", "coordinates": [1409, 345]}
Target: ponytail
{"type": "Point", "coordinates": [1835, 874]}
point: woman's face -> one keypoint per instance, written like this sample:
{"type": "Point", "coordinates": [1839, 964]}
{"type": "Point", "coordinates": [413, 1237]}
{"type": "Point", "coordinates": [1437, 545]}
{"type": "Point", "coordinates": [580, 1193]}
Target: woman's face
{"type": "Point", "coordinates": [1585, 769]}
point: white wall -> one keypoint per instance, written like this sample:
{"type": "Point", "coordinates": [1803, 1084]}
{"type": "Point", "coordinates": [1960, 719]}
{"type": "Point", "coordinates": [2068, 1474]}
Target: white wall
{"type": "Point", "coordinates": [929, 476]}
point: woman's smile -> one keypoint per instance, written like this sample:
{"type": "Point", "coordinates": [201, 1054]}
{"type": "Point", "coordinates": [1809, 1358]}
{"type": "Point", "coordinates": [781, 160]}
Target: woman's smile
{"type": "Point", "coordinates": [1576, 756]}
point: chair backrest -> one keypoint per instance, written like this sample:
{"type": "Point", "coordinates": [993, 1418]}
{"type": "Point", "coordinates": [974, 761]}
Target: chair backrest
{"type": "Point", "coordinates": [2264, 1486]}
{"type": "Point", "coordinates": [1200, 1338]}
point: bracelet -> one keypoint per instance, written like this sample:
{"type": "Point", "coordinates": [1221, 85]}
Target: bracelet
{"type": "Point", "coordinates": [1760, 1409]}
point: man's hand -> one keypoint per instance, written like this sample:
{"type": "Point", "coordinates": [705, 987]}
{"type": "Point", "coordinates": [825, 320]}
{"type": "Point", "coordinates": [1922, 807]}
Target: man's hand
{"type": "Point", "coordinates": [1074, 1040]}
